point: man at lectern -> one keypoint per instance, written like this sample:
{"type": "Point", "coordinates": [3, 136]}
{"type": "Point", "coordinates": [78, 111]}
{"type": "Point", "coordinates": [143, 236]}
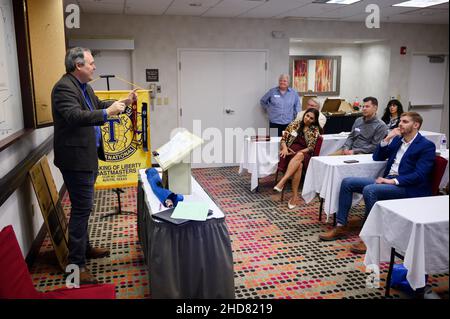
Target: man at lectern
{"type": "Point", "coordinates": [77, 115]}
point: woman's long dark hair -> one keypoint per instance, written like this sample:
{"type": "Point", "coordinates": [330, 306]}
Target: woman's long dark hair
{"type": "Point", "coordinates": [316, 119]}
{"type": "Point", "coordinates": [387, 113]}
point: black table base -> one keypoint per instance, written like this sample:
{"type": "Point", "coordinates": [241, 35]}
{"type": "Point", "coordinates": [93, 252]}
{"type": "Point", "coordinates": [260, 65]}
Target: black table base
{"type": "Point", "coordinates": [192, 260]}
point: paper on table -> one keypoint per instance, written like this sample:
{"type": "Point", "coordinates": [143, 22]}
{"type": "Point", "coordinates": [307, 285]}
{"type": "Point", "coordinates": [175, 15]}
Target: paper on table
{"type": "Point", "coordinates": [191, 210]}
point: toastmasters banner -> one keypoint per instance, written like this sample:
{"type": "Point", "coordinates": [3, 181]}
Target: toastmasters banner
{"type": "Point", "coordinates": [126, 141]}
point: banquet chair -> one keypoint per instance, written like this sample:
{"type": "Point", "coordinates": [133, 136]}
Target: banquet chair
{"type": "Point", "coordinates": [440, 164]}
{"type": "Point", "coordinates": [316, 152]}
{"type": "Point", "coordinates": [16, 282]}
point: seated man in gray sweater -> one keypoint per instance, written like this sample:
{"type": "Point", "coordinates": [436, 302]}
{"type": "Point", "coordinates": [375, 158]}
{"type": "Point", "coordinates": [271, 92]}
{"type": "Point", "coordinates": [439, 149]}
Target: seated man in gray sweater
{"type": "Point", "coordinates": [367, 131]}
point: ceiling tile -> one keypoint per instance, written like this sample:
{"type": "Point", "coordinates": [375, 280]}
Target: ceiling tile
{"type": "Point", "coordinates": [106, 7]}
{"type": "Point", "coordinates": [190, 7]}
{"type": "Point", "coordinates": [204, 3]}
{"type": "Point", "coordinates": [273, 8]}
{"type": "Point", "coordinates": [231, 8]}
{"type": "Point", "coordinates": [310, 10]}
{"type": "Point", "coordinates": [140, 7]}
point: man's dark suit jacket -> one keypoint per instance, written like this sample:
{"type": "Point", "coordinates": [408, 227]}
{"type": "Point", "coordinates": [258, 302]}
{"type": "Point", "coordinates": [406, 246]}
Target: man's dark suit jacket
{"type": "Point", "coordinates": [414, 171]}
{"type": "Point", "coordinates": [74, 133]}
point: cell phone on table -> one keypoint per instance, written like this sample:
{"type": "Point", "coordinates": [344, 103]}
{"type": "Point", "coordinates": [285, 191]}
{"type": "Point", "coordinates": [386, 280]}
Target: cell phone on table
{"type": "Point", "coordinates": [351, 161]}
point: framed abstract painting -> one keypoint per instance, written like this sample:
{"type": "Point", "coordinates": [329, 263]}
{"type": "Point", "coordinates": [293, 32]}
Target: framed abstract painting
{"type": "Point", "coordinates": [318, 75]}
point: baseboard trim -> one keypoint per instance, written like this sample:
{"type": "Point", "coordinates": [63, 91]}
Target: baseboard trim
{"type": "Point", "coordinates": [37, 242]}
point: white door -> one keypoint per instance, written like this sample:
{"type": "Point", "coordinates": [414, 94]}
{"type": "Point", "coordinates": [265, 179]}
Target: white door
{"type": "Point", "coordinates": [219, 93]}
{"type": "Point", "coordinates": [246, 84]}
{"type": "Point", "coordinates": [426, 90]}
{"type": "Point", "coordinates": [108, 62]}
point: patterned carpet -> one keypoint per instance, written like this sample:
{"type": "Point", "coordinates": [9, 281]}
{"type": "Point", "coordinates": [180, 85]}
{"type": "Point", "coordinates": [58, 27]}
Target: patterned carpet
{"type": "Point", "coordinates": [276, 251]}
{"type": "Point", "coordinates": [125, 267]}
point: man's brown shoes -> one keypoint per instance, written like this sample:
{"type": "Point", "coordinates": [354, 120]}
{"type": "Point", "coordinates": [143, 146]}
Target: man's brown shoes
{"type": "Point", "coordinates": [94, 253]}
{"type": "Point", "coordinates": [355, 223]}
{"type": "Point", "coordinates": [337, 232]}
{"type": "Point", "coordinates": [341, 232]}
{"type": "Point", "coordinates": [86, 278]}
{"type": "Point", "coordinates": [358, 248]}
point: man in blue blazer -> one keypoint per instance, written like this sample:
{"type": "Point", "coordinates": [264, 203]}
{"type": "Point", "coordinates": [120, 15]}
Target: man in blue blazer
{"type": "Point", "coordinates": [408, 174]}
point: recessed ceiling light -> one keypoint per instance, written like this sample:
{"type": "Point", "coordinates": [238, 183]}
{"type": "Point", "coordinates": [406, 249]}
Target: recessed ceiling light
{"type": "Point", "coordinates": [195, 4]}
{"type": "Point", "coordinates": [342, 1]}
{"type": "Point", "coordinates": [419, 3]}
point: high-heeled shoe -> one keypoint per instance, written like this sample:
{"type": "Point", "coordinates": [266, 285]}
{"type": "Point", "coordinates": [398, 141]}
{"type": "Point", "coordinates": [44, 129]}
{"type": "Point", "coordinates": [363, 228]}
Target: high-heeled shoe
{"type": "Point", "coordinates": [277, 189]}
{"type": "Point", "coordinates": [290, 206]}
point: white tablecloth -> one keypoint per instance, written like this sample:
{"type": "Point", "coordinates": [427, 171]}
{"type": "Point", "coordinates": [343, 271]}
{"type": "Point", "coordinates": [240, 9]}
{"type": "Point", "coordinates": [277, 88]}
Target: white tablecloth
{"type": "Point", "coordinates": [433, 137]}
{"type": "Point", "coordinates": [417, 228]}
{"type": "Point", "coordinates": [325, 174]}
{"type": "Point", "coordinates": [260, 159]}
{"type": "Point", "coordinates": [332, 142]}
{"type": "Point", "coordinates": [198, 194]}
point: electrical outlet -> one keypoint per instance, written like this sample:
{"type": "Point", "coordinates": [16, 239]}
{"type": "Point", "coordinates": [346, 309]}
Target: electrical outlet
{"type": "Point", "coordinates": [166, 100]}
{"type": "Point", "coordinates": [158, 101]}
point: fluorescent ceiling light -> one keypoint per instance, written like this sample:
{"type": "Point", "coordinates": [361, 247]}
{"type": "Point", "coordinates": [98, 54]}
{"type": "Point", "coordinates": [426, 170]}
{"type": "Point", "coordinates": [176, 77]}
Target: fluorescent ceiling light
{"type": "Point", "coordinates": [419, 3]}
{"type": "Point", "coordinates": [343, 1]}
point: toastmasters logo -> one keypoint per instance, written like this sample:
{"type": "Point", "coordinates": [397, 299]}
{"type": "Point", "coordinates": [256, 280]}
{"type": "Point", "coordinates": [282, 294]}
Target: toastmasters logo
{"type": "Point", "coordinates": [120, 136]}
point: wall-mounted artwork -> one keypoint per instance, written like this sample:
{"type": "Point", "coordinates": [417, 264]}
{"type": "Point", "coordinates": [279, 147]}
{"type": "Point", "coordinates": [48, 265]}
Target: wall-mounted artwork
{"type": "Point", "coordinates": [318, 75]}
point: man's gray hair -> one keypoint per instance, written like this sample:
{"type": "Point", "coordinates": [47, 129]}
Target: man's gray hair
{"type": "Point", "coordinates": [74, 56]}
{"type": "Point", "coordinates": [284, 76]}
{"type": "Point", "coordinates": [315, 101]}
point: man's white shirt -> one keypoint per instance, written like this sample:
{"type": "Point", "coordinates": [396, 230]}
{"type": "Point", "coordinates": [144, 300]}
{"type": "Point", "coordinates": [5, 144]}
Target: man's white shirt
{"type": "Point", "coordinates": [398, 157]}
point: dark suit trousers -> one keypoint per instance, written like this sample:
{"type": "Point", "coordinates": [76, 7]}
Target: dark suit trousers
{"type": "Point", "coordinates": [80, 186]}
{"type": "Point", "coordinates": [279, 128]}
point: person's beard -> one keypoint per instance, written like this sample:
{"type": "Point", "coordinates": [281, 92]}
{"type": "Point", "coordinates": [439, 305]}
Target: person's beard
{"type": "Point", "coordinates": [406, 131]}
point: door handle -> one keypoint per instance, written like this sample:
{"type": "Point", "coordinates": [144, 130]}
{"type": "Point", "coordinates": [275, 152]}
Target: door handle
{"type": "Point", "coordinates": [229, 111]}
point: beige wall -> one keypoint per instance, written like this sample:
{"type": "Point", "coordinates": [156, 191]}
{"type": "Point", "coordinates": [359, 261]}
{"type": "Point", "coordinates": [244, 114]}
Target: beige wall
{"type": "Point", "coordinates": [21, 209]}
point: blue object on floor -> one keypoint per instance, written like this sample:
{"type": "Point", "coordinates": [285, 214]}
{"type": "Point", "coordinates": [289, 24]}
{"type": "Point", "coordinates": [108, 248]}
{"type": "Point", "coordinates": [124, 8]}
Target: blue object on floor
{"type": "Point", "coordinates": [399, 281]}
{"type": "Point", "coordinates": [162, 193]}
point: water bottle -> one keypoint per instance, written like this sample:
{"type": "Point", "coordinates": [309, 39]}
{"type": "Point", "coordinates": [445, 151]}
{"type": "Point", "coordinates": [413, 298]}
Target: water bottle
{"type": "Point", "coordinates": [443, 145]}
{"type": "Point", "coordinates": [356, 104]}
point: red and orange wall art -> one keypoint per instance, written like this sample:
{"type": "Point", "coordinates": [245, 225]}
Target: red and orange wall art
{"type": "Point", "coordinates": [300, 80]}
{"type": "Point", "coordinates": [324, 75]}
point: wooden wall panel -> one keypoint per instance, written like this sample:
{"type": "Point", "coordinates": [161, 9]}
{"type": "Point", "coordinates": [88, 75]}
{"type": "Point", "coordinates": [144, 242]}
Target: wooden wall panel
{"type": "Point", "coordinates": [47, 46]}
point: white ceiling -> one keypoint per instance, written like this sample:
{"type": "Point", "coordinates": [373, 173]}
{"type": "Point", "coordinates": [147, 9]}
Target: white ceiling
{"type": "Point", "coordinates": [275, 9]}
